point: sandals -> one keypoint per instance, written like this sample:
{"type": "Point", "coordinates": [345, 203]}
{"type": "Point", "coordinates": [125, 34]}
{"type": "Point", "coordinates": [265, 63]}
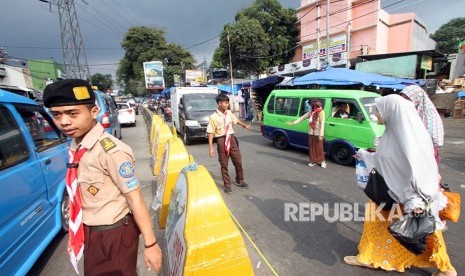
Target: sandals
{"type": "Point", "coordinates": [352, 260]}
{"type": "Point", "coordinates": [445, 273]}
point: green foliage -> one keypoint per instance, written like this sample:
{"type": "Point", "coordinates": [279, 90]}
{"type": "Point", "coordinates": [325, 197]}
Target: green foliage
{"type": "Point", "coordinates": [262, 35]}
{"type": "Point", "coordinates": [449, 35]}
{"type": "Point", "coordinates": [103, 82]}
{"type": "Point", "coordinates": [143, 44]}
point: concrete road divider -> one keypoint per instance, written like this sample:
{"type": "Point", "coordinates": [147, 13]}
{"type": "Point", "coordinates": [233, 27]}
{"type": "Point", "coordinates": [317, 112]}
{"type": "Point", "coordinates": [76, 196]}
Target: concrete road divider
{"type": "Point", "coordinates": [163, 134]}
{"type": "Point", "coordinates": [175, 158]}
{"type": "Point", "coordinates": [156, 129]}
{"type": "Point", "coordinates": [201, 238]}
{"type": "Point", "coordinates": [156, 120]}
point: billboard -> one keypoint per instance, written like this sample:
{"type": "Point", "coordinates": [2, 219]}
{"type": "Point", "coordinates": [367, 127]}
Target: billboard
{"type": "Point", "coordinates": [195, 77]}
{"type": "Point", "coordinates": [337, 50]}
{"type": "Point", "coordinates": [153, 75]}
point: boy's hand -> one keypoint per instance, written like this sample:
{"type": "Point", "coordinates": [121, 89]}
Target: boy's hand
{"type": "Point", "coordinates": [289, 123]}
{"type": "Point", "coordinates": [212, 153]}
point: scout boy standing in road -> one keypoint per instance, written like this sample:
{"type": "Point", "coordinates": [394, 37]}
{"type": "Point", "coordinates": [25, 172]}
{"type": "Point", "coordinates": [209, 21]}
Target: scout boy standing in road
{"type": "Point", "coordinates": [220, 126]}
{"type": "Point", "coordinates": [107, 211]}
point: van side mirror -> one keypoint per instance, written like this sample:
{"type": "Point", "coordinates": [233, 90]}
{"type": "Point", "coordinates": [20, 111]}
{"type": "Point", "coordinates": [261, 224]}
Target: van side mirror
{"type": "Point", "coordinates": [180, 106]}
{"type": "Point", "coordinates": [360, 117]}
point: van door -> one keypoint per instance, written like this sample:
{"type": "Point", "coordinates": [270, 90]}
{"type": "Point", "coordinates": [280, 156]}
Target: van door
{"type": "Point", "coordinates": [346, 127]}
{"type": "Point", "coordinates": [24, 202]}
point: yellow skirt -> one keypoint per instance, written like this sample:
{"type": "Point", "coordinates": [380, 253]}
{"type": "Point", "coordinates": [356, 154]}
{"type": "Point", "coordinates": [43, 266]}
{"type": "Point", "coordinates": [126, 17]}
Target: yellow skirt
{"type": "Point", "coordinates": [379, 248]}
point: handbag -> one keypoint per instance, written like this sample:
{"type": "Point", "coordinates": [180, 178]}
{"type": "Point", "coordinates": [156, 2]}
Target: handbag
{"type": "Point", "coordinates": [452, 210]}
{"type": "Point", "coordinates": [412, 230]}
{"type": "Point", "coordinates": [377, 190]}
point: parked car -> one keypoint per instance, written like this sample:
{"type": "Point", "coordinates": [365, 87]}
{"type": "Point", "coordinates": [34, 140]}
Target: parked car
{"type": "Point", "coordinates": [33, 199]}
{"type": "Point", "coordinates": [126, 114]}
{"type": "Point", "coordinates": [342, 137]}
{"type": "Point", "coordinates": [108, 114]}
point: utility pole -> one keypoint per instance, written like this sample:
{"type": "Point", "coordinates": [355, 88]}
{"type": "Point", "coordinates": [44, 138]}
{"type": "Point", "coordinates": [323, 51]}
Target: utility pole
{"type": "Point", "coordinates": [230, 66]}
{"type": "Point", "coordinates": [74, 54]}
{"type": "Point", "coordinates": [327, 32]}
{"type": "Point", "coordinates": [318, 16]}
{"type": "Point", "coordinates": [348, 45]}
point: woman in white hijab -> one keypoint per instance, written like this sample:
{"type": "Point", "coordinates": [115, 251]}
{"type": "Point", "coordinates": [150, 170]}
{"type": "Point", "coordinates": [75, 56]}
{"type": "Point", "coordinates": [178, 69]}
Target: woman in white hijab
{"type": "Point", "coordinates": [406, 161]}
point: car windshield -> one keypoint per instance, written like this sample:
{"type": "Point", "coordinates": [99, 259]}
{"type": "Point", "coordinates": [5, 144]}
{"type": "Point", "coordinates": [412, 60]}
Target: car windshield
{"type": "Point", "coordinates": [206, 104]}
{"type": "Point", "coordinates": [370, 107]}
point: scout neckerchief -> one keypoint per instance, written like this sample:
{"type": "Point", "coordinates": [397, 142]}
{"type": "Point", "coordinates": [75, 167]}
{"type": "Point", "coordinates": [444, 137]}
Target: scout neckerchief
{"type": "Point", "coordinates": [76, 231]}
{"type": "Point", "coordinates": [315, 112]}
{"type": "Point", "coordinates": [227, 133]}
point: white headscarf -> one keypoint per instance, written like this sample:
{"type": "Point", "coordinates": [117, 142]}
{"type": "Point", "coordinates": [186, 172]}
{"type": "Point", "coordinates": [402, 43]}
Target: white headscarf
{"type": "Point", "coordinates": [405, 154]}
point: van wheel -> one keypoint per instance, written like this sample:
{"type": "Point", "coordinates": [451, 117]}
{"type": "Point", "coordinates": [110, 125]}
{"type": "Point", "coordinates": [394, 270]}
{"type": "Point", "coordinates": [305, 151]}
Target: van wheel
{"type": "Point", "coordinates": [185, 138]}
{"type": "Point", "coordinates": [280, 141]}
{"type": "Point", "coordinates": [342, 154]}
{"type": "Point", "coordinates": [64, 213]}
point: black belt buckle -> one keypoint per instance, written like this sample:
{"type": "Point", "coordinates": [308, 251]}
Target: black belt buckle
{"type": "Point", "coordinates": [72, 165]}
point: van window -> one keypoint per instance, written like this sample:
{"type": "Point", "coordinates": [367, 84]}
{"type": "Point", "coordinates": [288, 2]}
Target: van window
{"type": "Point", "coordinates": [44, 133]}
{"type": "Point", "coordinates": [305, 106]}
{"type": "Point", "coordinates": [270, 107]}
{"type": "Point", "coordinates": [13, 147]}
{"type": "Point", "coordinates": [370, 107]}
{"type": "Point", "coordinates": [287, 106]}
{"type": "Point", "coordinates": [344, 109]}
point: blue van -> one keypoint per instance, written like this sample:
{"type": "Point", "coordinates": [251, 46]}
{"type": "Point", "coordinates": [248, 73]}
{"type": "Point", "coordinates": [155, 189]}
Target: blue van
{"type": "Point", "coordinates": [33, 199]}
{"type": "Point", "coordinates": [108, 114]}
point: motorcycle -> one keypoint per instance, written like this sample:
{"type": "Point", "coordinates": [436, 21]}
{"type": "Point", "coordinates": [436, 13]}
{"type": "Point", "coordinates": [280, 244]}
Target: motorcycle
{"type": "Point", "coordinates": [168, 114]}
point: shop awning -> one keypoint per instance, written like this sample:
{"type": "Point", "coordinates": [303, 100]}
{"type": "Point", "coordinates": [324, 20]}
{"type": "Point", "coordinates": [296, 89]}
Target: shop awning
{"type": "Point", "coordinates": [264, 82]}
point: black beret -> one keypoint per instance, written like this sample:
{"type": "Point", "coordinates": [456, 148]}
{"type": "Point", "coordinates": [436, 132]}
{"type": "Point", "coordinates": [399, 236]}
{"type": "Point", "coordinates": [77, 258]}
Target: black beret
{"type": "Point", "coordinates": [68, 92]}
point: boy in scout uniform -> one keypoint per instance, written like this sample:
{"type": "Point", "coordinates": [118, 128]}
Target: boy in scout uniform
{"type": "Point", "coordinates": [220, 126]}
{"type": "Point", "coordinates": [107, 211]}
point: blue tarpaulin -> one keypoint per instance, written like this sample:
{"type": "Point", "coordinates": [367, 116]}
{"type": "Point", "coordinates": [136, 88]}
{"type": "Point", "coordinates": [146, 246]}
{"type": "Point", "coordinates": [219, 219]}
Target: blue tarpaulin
{"type": "Point", "coordinates": [461, 94]}
{"type": "Point", "coordinates": [264, 82]}
{"type": "Point", "coordinates": [227, 88]}
{"type": "Point", "coordinates": [343, 76]}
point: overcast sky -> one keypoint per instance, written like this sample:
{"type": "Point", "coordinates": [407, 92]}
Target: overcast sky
{"type": "Point", "coordinates": [29, 30]}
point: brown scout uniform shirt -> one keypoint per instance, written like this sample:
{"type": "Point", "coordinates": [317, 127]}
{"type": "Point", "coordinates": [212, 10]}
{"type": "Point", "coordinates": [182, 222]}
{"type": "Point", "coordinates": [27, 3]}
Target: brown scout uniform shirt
{"type": "Point", "coordinates": [105, 174]}
{"type": "Point", "coordinates": [216, 123]}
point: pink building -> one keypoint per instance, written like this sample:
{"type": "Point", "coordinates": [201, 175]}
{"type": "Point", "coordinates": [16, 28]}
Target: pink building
{"type": "Point", "coordinates": [356, 27]}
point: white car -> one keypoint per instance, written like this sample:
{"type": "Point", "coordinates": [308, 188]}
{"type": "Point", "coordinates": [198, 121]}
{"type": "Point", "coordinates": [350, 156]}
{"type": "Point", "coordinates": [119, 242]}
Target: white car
{"type": "Point", "coordinates": [126, 114]}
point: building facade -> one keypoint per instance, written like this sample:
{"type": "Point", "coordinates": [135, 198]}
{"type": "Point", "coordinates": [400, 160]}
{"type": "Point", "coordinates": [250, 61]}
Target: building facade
{"type": "Point", "coordinates": [44, 71]}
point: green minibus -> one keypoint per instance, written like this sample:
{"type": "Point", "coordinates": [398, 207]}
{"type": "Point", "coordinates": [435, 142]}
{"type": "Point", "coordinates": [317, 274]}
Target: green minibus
{"type": "Point", "coordinates": [342, 136]}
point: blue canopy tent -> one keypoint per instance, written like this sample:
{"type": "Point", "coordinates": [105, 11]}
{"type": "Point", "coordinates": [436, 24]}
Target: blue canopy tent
{"type": "Point", "coordinates": [227, 88]}
{"type": "Point", "coordinates": [343, 76]}
{"type": "Point", "coordinates": [265, 81]}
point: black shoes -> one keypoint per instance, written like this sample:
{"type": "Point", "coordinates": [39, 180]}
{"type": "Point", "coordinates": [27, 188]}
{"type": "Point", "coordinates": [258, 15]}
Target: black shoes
{"type": "Point", "coordinates": [243, 185]}
{"type": "Point", "coordinates": [227, 190]}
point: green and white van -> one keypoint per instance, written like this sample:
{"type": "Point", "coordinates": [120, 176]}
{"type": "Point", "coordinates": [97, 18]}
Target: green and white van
{"type": "Point", "coordinates": [343, 136]}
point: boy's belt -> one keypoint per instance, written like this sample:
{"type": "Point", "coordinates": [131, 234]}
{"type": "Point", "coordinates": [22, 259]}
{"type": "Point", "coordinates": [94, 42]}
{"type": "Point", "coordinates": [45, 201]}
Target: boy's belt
{"type": "Point", "coordinates": [123, 221]}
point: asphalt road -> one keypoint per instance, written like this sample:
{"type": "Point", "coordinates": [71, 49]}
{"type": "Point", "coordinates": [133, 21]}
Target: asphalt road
{"type": "Point", "coordinates": [277, 178]}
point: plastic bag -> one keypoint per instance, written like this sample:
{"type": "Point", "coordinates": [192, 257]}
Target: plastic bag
{"type": "Point", "coordinates": [412, 230]}
{"type": "Point", "coordinates": [361, 173]}
{"type": "Point", "coordinates": [452, 210]}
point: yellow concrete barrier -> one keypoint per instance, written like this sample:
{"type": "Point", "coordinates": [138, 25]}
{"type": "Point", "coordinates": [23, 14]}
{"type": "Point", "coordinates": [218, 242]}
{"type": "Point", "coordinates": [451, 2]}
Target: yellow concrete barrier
{"type": "Point", "coordinates": [175, 158]}
{"type": "Point", "coordinates": [163, 134]}
{"type": "Point", "coordinates": [201, 238]}
{"type": "Point", "coordinates": [156, 120]}
{"type": "Point", "coordinates": [156, 129]}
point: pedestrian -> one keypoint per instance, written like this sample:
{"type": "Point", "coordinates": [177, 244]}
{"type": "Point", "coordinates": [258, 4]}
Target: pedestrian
{"type": "Point", "coordinates": [404, 158]}
{"type": "Point", "coordinates": [316, 132]}
{"type": "Point", "coordinates": [220, 126]}
{"type": "Point", "coordinates": [107, 210]}
{"type": "Point", "coordinates": [428, 113]}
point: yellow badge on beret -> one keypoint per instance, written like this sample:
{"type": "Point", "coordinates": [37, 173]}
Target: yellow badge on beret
{"type": "Point", "coordinates": [107, 144]}
{"type": "Point", "coordinates": [81, 93]}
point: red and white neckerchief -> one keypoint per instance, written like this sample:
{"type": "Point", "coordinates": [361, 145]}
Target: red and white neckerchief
{"type": "Point", "coordinates": [76, 229]}
{"type": "Point", "coordinates": [227, 133]}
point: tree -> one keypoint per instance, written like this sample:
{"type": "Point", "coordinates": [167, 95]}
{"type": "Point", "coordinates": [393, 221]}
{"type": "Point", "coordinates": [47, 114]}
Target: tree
{"type": "Point", "coordinates": [275, 37]}
{"type": "Point", "coordinates": [248, 42]}
{"type": "Point", "coordinates": [143, 44]}
{"type": "Point", "coordinates": [449, 35]}
{"type": "Point", "coordinates": [103, 82]}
